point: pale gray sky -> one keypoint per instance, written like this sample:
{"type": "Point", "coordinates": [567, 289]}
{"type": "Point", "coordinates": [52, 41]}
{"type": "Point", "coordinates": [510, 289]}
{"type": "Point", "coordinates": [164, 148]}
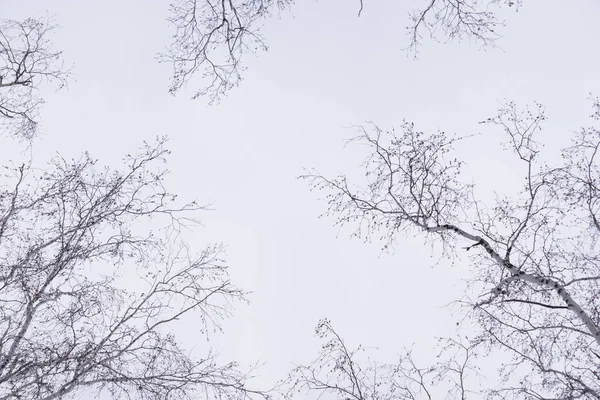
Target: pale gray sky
{"type": "Point", "coordinates": [326, 69]}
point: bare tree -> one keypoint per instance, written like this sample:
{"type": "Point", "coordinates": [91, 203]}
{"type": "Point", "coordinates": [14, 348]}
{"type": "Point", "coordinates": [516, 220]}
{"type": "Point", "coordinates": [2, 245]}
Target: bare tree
{"type": "Point", "coordinates": [349, 373]}
{"type": "Point", "coordinates": [89, 295]}
{"type": "Point", "coordinates": [212, 36]}
{"type": "Point", "coordinates": [448, 20]}
{"type": "Point", "coordinates": [26, 60]}
{"type": "Point", "coordinates": [536, 271]}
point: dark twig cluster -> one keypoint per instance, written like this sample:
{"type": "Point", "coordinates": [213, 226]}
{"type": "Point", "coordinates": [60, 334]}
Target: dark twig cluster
{"type": "Point", "coordinates": [26, 60]}
{"type": "Point", "coordinates": [212, 37]}
{"type": "Point", "coordinates": [538, 264]}
{"type": "Point", "coordinates": [88, 296]}
{"type": "Point", "coordinates": [344, 373]}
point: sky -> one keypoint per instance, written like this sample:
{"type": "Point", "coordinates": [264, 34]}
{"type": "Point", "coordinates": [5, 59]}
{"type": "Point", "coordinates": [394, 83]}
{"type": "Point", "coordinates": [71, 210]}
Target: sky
{"type": "Point", "coordinates": [325, 70]}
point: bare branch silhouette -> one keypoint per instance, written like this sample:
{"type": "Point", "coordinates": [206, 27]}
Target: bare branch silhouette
{"type": "Point", "coordinates": [535, 252]}
{"type": "Point", "coordinates": [349, 373]}
{"type": "Point", "coordinates": [212, 37]}
{"type": "Point", "coordinates": [26, 60]}
{"type": "Point", "coordinates": [89, 295]}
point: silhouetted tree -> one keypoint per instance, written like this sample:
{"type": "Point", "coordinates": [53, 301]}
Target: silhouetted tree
{"type": "Point", "coordinates": [344, 373]}
{"type": "Point", "coordinates": [212, 36]}
{"type": "Point", "coordinates": [26, 60]}
{"type": "Point", "coordinates": [89, 294]}
{"type": "Point", "coordinates": [536, 264]}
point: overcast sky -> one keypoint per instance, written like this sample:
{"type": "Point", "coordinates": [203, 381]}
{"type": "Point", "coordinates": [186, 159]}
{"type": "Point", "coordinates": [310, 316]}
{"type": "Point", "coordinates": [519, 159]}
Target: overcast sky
{"type": "Point", "coordinates": [326, 69]}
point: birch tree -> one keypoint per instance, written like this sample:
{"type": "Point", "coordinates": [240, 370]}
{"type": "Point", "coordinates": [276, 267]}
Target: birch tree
{"type": "Point", "coordinates": [212, 37]}
{"type": "Point", "coordinates": [535, 275]}
{"type": "Point", "coordinates": [91, 296]}
{"type": "Point", "coordinates": [344, 372]}
{"type": "Point", "coordinates": [27, 59]}
{"type": "Point", "coordinates": [209, 45]}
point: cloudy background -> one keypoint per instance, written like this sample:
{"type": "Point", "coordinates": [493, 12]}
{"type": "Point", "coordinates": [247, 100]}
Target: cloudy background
{"type": "Point", "coordinates": [326, 69]}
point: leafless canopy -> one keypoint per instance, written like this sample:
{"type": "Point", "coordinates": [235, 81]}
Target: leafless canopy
{"type": "Point", "coordinates": [212, 36]}
{"type": "Point", "coordinates": [448, 20]}
{"type": "Point", "coordinates": [89, 295]}
{"type": "Point", "coordinates": [536, 273]}
{"type": "Point", "coordinates": [348, 373]}
{"type": "Point", "coordinates": [26, 60]}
